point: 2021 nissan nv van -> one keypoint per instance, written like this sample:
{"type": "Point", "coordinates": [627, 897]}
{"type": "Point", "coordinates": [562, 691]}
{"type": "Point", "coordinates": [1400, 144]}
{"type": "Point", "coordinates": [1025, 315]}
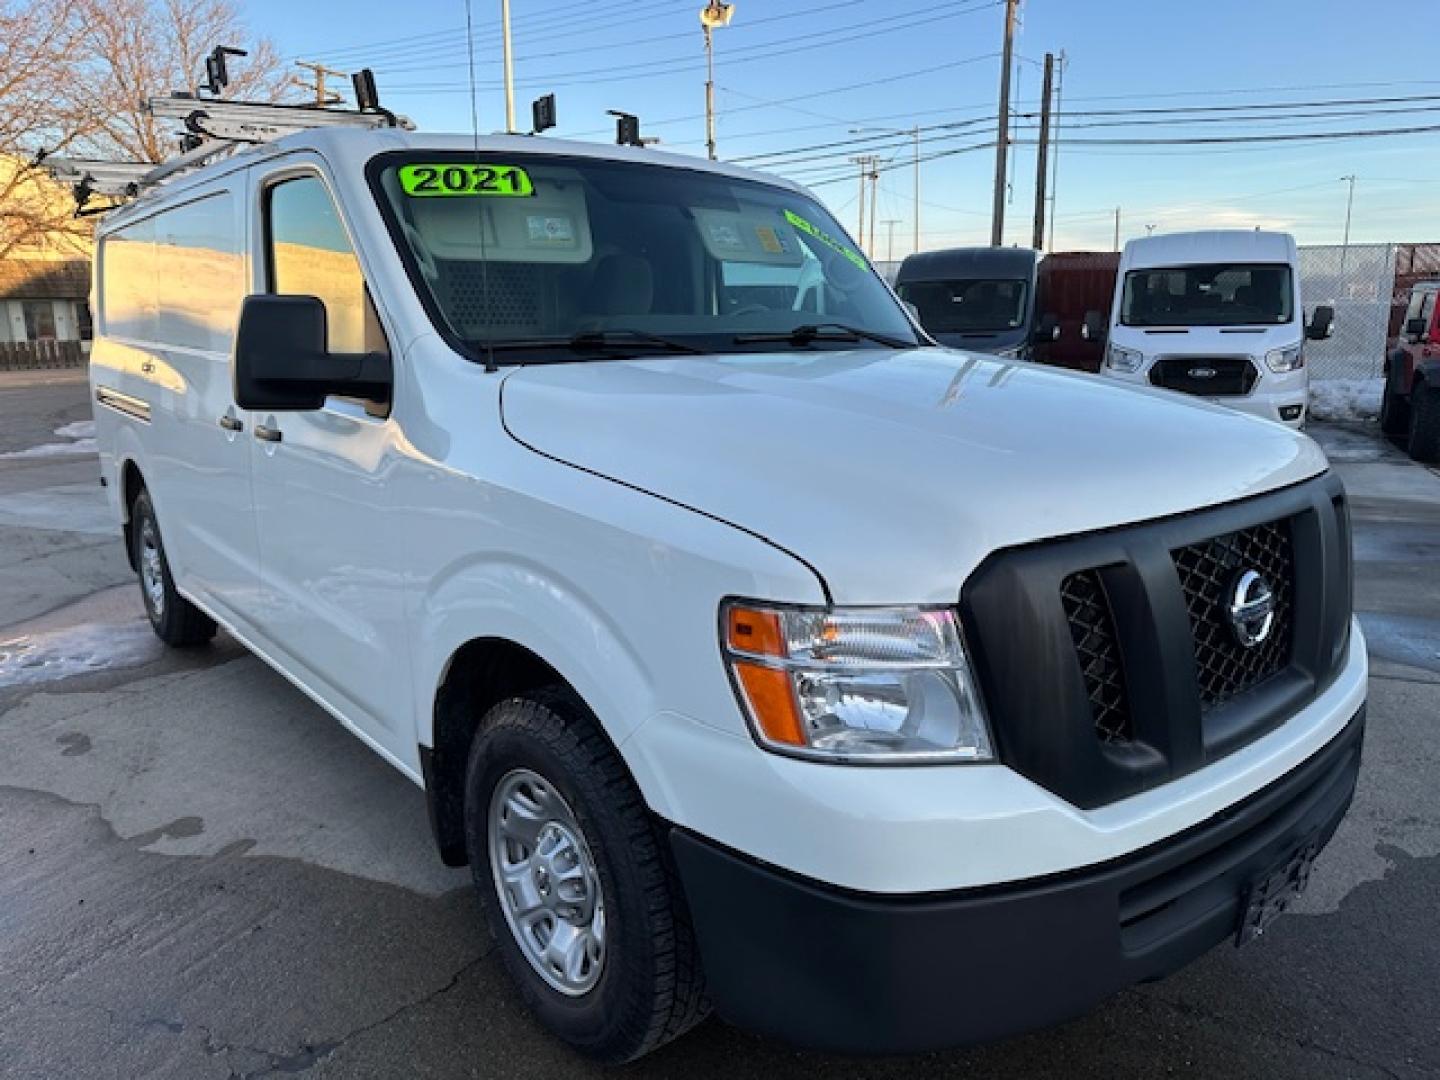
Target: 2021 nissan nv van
{"type": "Point", "coordinates": [751, 653]}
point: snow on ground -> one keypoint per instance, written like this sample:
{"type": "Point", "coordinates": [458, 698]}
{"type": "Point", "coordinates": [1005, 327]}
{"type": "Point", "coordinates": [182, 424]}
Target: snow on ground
{"type": "Point", "coordinates": [76, 650]}
{"type": "Point", "coordinates": [1345, 399]}
{"type": "Point", "coordinates": [82, 436]}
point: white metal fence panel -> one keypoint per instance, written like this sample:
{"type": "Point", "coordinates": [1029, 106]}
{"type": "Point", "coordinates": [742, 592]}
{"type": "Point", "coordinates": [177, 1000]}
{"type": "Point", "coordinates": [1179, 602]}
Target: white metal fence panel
{"type": "Point", "coordinates": [1357, 281]}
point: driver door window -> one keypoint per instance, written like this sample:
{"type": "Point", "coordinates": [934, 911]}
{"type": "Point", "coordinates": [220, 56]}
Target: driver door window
{"type": "Point", "coordinates": [308, 253]}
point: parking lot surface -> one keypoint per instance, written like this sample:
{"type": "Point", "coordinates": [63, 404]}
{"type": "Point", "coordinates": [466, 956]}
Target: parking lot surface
{"type": "Point", "coordinates": [202, 875]}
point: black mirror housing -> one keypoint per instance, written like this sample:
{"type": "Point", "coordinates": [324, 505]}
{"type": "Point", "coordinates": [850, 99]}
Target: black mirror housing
{"type": "Point", "coordinates": [1322, 323]}
{"type": "Point", "coordinates": [282, 362]}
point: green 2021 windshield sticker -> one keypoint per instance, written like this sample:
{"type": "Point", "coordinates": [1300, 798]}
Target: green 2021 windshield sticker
{"type": "Point", "coordinates": [425, 181]}
{"type": "Point", "coordinates": [826, 239]}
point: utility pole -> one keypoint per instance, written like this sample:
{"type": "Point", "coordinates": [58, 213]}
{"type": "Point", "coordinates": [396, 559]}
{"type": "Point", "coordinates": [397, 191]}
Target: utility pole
{"type": "Point", "coordinates": [1117, 228]}
{"type": "Point", "coordinates": [1041, 152]}
{"type": "Point", "coordinates": [914, 133]}
{"type": "Point", "coordinates": [1054, 148]}
{"type": "Point", "coordinates": [713, 14]}
{"type": "Point", "coordinates": [509, 68]}
{"type": "Point", "coordinates": [890, 224]}
{"type": "Point", "coordinates": [874, 202]}
{"type": "Point", "coordinates": [323, 97]}
{"type": "Point", "coordinates": [1349, 205]}
{"type": "Point", "coordinates": [1002, 138]}
{"type": "Point", "coordinates": [863, 162]}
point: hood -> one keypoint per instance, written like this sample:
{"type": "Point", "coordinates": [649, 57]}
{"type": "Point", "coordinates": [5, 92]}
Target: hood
{"type": "Point", "coordinates": [1253, 341]}
{"type": "Point", "coordinates": [984, 341]}
{"type": "Point", "coordinates": [894, 473]}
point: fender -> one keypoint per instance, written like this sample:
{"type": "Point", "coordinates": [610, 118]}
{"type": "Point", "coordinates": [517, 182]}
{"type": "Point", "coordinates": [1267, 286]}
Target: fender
{"type": "Point", "coordinates": [506, 596]}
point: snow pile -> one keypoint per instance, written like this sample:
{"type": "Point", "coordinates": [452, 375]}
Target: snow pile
{"type": "Point", "coordinates": [1345, 399]}
{"type": "Point", "coordinates": [81, 432]}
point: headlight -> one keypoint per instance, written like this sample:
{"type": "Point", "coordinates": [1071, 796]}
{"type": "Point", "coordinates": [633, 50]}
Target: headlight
{"type": "Point", "coordinates": [1123, 359]}
{"type": "Point", "coordinates": [876, 685]}
{"type": "Point", "coordinates": [1013, 353]}
{"type": "Point", "coordinates": [1282, 360]}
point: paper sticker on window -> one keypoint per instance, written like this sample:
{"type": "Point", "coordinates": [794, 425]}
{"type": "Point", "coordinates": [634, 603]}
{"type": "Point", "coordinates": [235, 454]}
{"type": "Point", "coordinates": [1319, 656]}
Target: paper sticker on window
{"type": "Point", "coordinates": [826, 239]}
{"type": "Point", "coordinates": [726, 236]}
{"type": "Point", "coordinates": [549, 229]}
{"type": "Point", "coordinates": [770, 240]}
{"type": "Point", "coordinates": [423, 181]}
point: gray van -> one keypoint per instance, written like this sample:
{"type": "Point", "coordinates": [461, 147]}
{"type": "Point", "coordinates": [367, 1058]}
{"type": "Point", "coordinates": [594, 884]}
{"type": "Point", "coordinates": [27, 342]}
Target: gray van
{"type": "Point", "coordinates": [981, 298]}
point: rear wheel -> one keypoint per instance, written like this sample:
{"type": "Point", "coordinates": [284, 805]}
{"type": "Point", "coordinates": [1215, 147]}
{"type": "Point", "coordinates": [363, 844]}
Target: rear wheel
{"type": "Point", "coordinates": [1424, 442]}
{"type": "Point", "coordinates": [576, 881]}
{"type": "Point", "coordinates": [1394, 409]}
{"type": "Point", "coordinates": [175, 620]}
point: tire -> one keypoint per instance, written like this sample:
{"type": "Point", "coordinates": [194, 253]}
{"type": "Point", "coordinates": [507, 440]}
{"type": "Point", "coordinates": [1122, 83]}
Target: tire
{"type": "Point", "coordinates": [542, 762]}
{"type": "Point", "coordinates": [1394, 409]}
{"type": "Point", "coordinates": [1424, 442]}
{"type": "Point", "coordinates": [176, 621]}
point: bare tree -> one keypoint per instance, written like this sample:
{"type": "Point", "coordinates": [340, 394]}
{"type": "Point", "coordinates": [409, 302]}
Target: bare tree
{"type": "Point", "coordinates": [38, 41]}
{"type": "Point", "coordinates": [135, 49]}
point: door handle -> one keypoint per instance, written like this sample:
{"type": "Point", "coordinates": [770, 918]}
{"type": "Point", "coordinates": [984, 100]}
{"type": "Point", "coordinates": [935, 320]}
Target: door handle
{"type": "Point", "coordinates": [269, 434]}
{"type": "Point", "coordinates": [231, 423]}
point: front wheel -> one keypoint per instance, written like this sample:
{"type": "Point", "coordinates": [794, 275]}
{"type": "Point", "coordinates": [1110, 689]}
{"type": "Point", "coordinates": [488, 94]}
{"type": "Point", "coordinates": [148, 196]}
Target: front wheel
{"type": "Point", "coordinates": [175, 620]}
{"type": "Point", "coordinates": [1424, 442]}
{"type": "Point", "coordinates": [576, 881]}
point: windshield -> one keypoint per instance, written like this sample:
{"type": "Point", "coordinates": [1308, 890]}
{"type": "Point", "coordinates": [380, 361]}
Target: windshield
{"type": "Point", "coordinates": [1217, 294]}
{"type": "Point", "coordinates": [968, 304]}
{"type": "Point", "coordinates": [524, 252]}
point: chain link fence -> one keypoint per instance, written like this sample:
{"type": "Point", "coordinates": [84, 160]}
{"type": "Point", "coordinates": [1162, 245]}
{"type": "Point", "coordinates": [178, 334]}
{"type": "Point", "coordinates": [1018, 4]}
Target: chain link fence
{"type": "Point", "coordinates": [1358, 281]}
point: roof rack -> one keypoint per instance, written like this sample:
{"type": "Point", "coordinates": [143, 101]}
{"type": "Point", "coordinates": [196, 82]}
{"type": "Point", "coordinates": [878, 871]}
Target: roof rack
{"type": "Point", "coordinates": [212, 126]}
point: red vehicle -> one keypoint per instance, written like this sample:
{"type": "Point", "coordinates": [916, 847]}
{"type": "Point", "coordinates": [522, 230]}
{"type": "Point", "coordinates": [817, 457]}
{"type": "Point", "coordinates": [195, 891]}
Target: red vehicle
{"type": "Point", "coordinates": [1410, 406]}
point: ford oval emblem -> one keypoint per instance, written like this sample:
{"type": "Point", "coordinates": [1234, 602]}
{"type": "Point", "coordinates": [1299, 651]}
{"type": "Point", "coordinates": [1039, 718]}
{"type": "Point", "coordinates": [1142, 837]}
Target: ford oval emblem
{"type": "Point", "coordinates": [1202, 373]}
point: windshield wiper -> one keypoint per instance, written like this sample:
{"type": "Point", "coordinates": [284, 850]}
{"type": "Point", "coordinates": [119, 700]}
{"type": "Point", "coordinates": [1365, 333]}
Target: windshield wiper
{"type": "Point", "coordinates": [601, 341]}
{"type": "Point", "coordinates": [826, 331]}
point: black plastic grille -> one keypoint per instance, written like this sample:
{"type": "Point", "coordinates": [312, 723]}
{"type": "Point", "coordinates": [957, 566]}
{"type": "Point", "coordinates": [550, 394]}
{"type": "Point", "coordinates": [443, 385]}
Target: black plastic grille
{"type": "Point", "coordinates": [1092, 628]}
{"type": "Point", "coordinates": [1209, 376]}
{"type": "Point", "coordinates": [1208, 571]}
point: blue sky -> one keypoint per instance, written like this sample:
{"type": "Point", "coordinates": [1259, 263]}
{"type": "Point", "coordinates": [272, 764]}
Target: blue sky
{"type": "Point", "coordinates": [801, 73]}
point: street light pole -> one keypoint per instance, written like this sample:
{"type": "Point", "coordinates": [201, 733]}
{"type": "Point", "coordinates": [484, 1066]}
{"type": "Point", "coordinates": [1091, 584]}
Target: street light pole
{"type": "Point", "coordinates": [715, 13]}
{"type": "Point", "coordinates": [1349, 205]}
{"type": "Point", "coordinates": [509, 68]}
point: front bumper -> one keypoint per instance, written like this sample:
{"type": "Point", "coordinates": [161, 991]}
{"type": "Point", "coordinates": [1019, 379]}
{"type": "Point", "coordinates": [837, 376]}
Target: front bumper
{"type": "Point", "coordinates": [857, 972]}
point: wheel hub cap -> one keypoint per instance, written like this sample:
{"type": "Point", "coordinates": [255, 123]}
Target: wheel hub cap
{"type": "Point", "coordinates": [547, 883]}
{"type": "Point", "coordinates": [152, 574]}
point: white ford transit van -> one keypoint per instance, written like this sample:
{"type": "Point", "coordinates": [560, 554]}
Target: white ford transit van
{"type": "Point", "coordinates": [881, 696]}
{"type": "Point", "coordinates": [1216, 314]}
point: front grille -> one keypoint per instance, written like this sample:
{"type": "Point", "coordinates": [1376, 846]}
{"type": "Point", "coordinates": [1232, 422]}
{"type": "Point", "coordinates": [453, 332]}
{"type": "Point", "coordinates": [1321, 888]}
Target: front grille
{"type": "Point", "coordinates": [1224, 666]}
{"type": "Point", "coordinates": [1109, 662]}
{"type": "Point", "coordinates": [1208, 376]}
{"type": "Point", "coordinates": [1092, 628]}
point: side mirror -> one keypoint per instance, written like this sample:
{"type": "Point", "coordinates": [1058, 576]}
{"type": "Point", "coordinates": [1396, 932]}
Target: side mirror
{"type": "Point", "coordinates": [1047, 329]}
{"type": "Point", "coordinates": [282, 362]}
{"type": "Point", "coordinates": [1322, 323]}
{"type": "Point", "coordinates": [1415, 328]}
{"type": "Point", "coordinates": [1093, 327]}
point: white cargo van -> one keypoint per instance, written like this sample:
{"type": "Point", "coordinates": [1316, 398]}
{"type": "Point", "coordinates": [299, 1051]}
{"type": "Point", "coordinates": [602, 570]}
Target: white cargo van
{"type": "Point", "coordinates": [1216, 314]}
{"type": "Point", "coordinates": [884, 697]}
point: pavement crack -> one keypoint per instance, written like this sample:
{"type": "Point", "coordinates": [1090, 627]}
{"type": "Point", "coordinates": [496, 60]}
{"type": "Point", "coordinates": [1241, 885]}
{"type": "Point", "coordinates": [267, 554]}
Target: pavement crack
{"type": "Point", "coordinates": [297, 1063]}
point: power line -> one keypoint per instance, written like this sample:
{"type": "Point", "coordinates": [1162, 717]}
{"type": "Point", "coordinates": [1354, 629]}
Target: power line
{"type": "Point", "coordinates": [681, 65]}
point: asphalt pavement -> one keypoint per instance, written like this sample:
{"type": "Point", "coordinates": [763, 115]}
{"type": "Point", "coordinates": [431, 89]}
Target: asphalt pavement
{"type": "Point", "coordinates": [202, 875]}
